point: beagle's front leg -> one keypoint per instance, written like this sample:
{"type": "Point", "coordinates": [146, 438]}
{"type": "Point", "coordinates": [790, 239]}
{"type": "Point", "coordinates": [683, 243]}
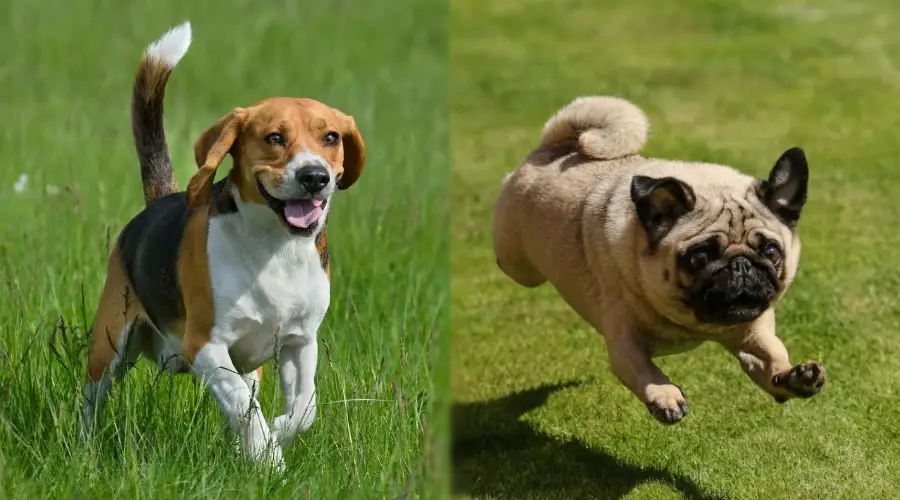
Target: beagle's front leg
{"type": "Point", "coordinates": [213, 365]}
{"type": "Point", "coordinates": [297, 362]}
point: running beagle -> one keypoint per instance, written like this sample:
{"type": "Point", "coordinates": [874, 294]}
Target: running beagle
{"type": "Point", "coordinates": [211, 280]}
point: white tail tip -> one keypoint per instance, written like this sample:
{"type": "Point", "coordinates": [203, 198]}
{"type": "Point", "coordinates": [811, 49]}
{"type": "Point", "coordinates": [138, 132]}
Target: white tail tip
{"type": "Point", "coordinates": [172, 46]}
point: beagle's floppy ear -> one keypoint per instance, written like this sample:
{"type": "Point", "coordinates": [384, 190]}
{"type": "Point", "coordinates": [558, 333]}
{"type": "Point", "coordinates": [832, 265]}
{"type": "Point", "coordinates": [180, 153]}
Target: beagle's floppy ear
{"type": "Point", "coordinates": [354, 153]}
{"type": "Point", "coordinates": [209, 151]}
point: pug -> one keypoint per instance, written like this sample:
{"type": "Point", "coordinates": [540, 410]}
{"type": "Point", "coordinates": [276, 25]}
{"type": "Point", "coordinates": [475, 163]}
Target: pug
{"type": "Point", "coordinates": [657, 255]}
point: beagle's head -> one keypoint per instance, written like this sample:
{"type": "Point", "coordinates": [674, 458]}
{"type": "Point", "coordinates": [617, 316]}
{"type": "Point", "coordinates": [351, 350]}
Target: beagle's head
{"type": "Point", "coordinates": [289, 154]}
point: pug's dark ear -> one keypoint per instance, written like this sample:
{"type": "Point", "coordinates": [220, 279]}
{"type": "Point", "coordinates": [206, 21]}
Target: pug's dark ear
{"type": "Point", "coordinates": [660, 203]}
{"type": "Point", "coordinates": [785, 190]}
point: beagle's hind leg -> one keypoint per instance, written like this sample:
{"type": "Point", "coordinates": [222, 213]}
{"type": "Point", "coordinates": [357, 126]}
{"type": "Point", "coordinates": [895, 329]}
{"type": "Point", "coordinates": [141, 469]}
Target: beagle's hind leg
{"type": "Point", "coordinates": [254, 381]}
{"type": "Point", "coordinates": [117, 336]}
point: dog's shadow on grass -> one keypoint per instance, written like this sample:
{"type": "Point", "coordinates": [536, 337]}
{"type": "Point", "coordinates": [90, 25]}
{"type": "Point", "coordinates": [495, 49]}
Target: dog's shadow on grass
{"type": "Point", "coordinates": [495, 455]}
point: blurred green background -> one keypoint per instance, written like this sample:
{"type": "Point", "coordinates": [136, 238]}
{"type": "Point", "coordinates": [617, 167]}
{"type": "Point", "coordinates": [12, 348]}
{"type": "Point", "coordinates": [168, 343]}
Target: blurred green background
{"type": "Point", "coordinates": [537, 413]}
{"type": "Point", "coordinates": [69, 181]}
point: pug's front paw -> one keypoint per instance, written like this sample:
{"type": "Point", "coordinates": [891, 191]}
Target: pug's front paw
{"type": "Point", "coordinates": [667, 403]}
{"type": "Point", "coordinates": [803, 381]}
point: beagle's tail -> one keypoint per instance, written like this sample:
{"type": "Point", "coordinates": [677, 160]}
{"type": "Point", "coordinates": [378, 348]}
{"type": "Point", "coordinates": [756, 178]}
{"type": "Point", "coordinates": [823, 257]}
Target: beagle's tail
{"type": "Point", "coordinates": [600, 127]}
{"type": "Point", "coordinates": [148, 93]}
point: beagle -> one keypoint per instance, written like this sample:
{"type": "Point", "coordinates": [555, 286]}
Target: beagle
{"type": "Point", "coordinates": [212, 280]}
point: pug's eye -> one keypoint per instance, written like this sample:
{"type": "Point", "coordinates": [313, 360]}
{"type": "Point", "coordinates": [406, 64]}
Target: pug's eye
{"type": "Point", "coordinates": [700, 255]}
{"type": "Point", "coordinates": [332, 138]}
{"type": "Point", "coordinates": [698, 259]}
{"type": "Point", "coordinates": [771, 251]}
{"type": "Point", "coordinates": [275, 139]}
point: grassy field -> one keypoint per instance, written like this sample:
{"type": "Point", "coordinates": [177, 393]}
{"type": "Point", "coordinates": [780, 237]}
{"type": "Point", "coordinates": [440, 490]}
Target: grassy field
{"type": "Point", "coordinates": [537, 413]}
{"type": "Point", "coordinates": [65, 77]}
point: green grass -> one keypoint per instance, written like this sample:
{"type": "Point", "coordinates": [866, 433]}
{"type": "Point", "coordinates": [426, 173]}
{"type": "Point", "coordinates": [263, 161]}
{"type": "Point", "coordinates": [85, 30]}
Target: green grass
{"type": "Point", "coordinates": [537, 413]}
{"type": "Point", "coordinates": [65, 72]}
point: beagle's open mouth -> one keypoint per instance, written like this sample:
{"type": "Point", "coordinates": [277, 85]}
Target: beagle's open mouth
{"type": "Point", "coordinates": [301, 216]}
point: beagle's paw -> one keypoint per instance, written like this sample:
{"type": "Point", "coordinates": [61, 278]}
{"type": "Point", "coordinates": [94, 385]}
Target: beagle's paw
{"type": "Point", "coordinates": [286, 427]}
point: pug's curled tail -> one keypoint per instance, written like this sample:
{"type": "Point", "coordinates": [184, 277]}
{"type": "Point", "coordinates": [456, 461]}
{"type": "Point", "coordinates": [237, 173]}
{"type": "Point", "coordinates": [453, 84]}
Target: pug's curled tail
{"type": "Point", "coordinates": [600, 127]}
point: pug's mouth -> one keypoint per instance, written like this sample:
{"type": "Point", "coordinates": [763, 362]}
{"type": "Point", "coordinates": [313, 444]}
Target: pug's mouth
{"type": "Point", "coordinates": [732, 300]}
{"type": "Point", "coordinates": [300, 216]}
{"type": "Point", "coordinates": [722, 310]}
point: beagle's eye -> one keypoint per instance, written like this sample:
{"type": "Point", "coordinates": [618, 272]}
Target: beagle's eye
{"type": "Point", "coordinates": [771, 251]}
{"type": "Point", "coordinates": [275, 139]}
{"type": "Point", "coordinates": [332, 138]}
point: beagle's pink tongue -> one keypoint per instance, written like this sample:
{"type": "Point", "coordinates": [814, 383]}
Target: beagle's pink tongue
{"type": "Point", "coordinates": [303, 213]}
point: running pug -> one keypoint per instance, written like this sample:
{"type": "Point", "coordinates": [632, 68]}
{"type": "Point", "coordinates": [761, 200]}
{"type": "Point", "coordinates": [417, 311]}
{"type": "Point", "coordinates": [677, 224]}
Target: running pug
{"type": "Point", "coordinates": [659, 255]}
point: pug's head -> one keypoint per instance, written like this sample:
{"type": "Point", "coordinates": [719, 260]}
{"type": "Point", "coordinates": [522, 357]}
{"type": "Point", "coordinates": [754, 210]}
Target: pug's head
{"type": "Point", "coordinates": [719, 254]}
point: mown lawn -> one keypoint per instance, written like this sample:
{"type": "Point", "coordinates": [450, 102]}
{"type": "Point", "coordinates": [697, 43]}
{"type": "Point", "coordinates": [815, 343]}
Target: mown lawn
{"type": "Point", "coordinates": [66, 71]}
{"type": "Point", "coordinates": [537, 413]}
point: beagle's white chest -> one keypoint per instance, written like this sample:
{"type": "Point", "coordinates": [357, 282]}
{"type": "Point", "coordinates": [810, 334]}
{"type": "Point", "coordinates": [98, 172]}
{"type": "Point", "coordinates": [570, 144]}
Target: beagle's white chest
{"type": "Point", "coordinates": [269, 289]}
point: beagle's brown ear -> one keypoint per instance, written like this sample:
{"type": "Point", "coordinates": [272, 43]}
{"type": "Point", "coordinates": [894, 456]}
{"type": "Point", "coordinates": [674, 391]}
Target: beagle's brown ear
{"type": "Point", "coordinates": [354, 153]}
{"type": "Point", "coordinates": [209, 151]}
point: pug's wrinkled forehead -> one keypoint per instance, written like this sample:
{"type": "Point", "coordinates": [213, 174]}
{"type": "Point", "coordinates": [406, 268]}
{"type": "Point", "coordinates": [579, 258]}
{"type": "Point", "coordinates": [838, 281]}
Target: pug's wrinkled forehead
{"type": "Point", "coordinates": [770, 206]}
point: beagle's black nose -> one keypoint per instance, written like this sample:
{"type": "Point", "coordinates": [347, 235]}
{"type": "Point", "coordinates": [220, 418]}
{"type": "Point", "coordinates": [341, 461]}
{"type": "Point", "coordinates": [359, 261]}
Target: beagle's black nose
{"type": "Point", "coordinates": [313, 178]}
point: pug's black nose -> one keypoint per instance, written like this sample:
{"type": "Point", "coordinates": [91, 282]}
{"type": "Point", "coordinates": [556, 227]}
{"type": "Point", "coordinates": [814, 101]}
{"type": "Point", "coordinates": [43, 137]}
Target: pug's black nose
{"type": "Point", "coordinates": [313, 178]}
{"type": "Point", "coordinates": [741, 265]}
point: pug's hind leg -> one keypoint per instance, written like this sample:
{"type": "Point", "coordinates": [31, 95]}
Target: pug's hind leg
{"type": "Point", "coordinates": [634, 367]}
{"type": "Point", "coordinates": [765, 359]}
